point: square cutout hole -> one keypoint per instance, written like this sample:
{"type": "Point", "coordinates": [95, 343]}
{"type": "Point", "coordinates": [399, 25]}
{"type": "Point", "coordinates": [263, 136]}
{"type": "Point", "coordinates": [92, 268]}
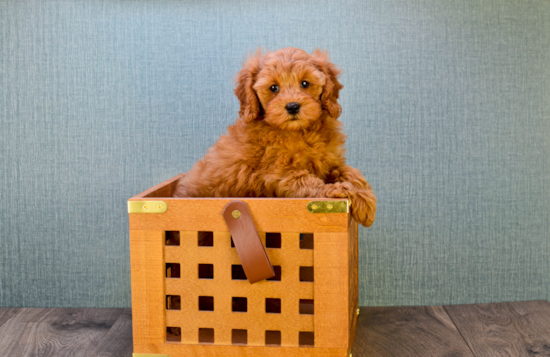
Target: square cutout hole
{"type": "Point", "coordinates": [273, 306]}
{"type": "Point", "coordinates": [173, 334]}
{"type": "Point", "coordinates": [239, 337]}
{"type": "Point", "coordinates": [239, 304]}
{"type": "Point", "coordinates": [306, 240]}
{"type": "Point", "coordinates": [173, 302]}
{"type": "Point", "coordinates": [172, 238]}
{"type": "Point", "coordinates": [306, 339]}
{"type": "Point", "coordinates": [273, 240]}
{"type": "Point", "coordinates": [206, 271]}
{"type": "Point", "coordinates": [277, 276]}
{"type": "Point", "coordinates": [306, 307]}
{"type": "Point", "coordinates": [206, 303]}
{"type": "Point", "coordinates": [273, 338]}
{"type": "Point", "coordinates": [172, 270]}
{"type": "Point", "coordinates": [237, 272]}
{"type": "Point", "coordinates": [206, 239]}
{"type": "Point", "coordinates": [206, 335]}
{"type": "Point", "coordinates": [306, 274]}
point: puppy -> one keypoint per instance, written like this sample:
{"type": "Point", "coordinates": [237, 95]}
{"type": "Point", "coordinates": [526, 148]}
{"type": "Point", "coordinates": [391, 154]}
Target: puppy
{"type": "Point", "coordinates": [287, 141]}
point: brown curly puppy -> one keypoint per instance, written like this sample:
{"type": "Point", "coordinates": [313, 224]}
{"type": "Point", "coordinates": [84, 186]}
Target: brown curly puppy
{"type": "Point", "coordinates": [287, 141]}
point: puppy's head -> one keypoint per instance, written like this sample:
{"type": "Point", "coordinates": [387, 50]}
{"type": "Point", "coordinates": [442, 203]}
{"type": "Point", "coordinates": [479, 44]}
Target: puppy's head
{"type": "Point", "coordinates": [288, 88]}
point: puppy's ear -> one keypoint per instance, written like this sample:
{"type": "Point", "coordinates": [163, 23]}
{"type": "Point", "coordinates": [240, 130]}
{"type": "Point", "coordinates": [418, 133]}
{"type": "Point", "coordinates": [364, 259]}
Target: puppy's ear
{"type": "Point", "coordinates": [329, 97]}
{"type": "Point", "coordinates": [250, 106]}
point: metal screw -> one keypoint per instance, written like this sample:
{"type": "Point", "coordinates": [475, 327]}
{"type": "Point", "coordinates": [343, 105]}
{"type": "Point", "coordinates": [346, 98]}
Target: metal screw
{"type": "Point", "coordinates": [236, 214]}
{"type": "Point", "coordinates": [358, 312]}
{"type": "Point", "coordinates": [329, 206]}
{"type": "Point", "coordinates": [313, 207]}
{"type": "Point", "coordinates": [145, 207]}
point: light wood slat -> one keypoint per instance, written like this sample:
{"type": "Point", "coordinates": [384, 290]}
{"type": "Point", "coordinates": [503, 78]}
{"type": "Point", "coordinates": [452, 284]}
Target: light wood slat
{"type": "Point", "coordinates": [269, 215]}
{"type": "Point", "coordinates": [177, 350]}
{"type": "Point", "coordinates": [256, 337]}
{"type": "Point", "coordinates": [148, 275]}
{"type": "Point", "coordinates": [353, 278]}
{"type": "Point", "coordinates": [240, 320]}
{"type": "Point", "coordinates": [332, 326]}
{"type": "Point", "coordinates": [118, 341]}
{"type": "Point", "coordinates": [55, 332]}
{"type": "Point", "coordinates": [222, 251]}
{"type": "Point", "coordinates": [292, 288]}
{"type": "Point", "coordinates": [211, 255]}
{"type": "Point", "coordinates": [408, 332]}
{"type": "Point", "coordinates": [189, 294]}
{"type": "Point", "coordinates": [504, 329]}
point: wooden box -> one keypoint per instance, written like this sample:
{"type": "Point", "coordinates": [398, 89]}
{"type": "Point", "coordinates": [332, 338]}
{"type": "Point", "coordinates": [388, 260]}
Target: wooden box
{"type": "Point", "coordinates": [188, 293]}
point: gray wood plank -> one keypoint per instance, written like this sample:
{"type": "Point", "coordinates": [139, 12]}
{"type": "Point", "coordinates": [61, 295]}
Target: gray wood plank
{"type": "Point", "coordinates": [407, 332]}
{"type": "Point", "coordinates": [118, 342]}
{"type": "Point", "coordinates": [514, 329]}
{"type": "Point", "coordinates": [505, 329]}
{"type": "Point", "coordinates": [6, 313]}
{"type": "Point", "coordinates": [56, 332]}
{"type": "Point", "coordinates": [18, 329]}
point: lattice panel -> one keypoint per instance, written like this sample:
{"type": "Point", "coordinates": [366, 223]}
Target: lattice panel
{"type": "Point", "coordinates": [208, 303]}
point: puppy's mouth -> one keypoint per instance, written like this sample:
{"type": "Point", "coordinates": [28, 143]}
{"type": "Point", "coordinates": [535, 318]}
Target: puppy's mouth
{"type": "Point", "coordinates": [294, 117]}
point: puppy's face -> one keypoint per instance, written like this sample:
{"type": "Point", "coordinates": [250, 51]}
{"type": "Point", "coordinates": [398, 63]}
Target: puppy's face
{"type": "Point", "coordinates": [290, 87]}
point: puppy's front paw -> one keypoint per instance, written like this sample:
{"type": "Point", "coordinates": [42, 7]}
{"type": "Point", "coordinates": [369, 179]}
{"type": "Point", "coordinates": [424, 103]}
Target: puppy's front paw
{"type": "Point", "coordinates": [363, 207]}
{"type": "Point", "coordinates": [337, 190]}
{"type": "Point", "coordinates": [363, 202]}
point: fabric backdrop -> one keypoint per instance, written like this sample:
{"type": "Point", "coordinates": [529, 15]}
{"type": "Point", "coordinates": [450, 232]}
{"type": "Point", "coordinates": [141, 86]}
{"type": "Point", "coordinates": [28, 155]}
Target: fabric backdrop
{"type": "Point", "coordinates": [446, 106]}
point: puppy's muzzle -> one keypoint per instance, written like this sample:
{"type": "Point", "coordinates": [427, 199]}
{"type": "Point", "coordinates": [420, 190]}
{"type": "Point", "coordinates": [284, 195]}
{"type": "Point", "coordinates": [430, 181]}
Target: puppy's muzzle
{"type": "Point", "coordinates": [292, 108]}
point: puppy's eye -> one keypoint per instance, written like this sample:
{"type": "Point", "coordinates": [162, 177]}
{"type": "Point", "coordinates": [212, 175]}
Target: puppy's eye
{"type": "Point", "coordinates": [274, 88]}
{"type": "Point", "coordinates": [305, 84]}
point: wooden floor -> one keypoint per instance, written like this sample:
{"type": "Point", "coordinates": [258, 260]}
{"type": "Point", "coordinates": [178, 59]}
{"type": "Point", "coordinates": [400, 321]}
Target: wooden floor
{"type": "Point", "coordinates": [505, 329]}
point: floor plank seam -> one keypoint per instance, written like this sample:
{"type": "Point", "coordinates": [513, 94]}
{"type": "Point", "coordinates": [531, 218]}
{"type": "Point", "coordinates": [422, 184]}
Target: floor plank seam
{"type": "Point", "coordinates": [460, 332]}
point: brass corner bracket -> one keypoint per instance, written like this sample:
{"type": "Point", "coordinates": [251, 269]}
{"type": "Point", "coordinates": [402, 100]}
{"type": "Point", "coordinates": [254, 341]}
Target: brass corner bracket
{"type": "Point", "coordinates": [328, 207]}
{"type": "Point", "coordinates": [147, 206]}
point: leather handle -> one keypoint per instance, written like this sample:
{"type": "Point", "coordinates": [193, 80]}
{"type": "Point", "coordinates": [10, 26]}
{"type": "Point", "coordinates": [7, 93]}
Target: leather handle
{"type": "Point", "coordinates": [251, 251]}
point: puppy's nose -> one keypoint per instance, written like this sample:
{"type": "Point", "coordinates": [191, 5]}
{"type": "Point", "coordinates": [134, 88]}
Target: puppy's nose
{"type": "Point", "coordinates": [292, 108]}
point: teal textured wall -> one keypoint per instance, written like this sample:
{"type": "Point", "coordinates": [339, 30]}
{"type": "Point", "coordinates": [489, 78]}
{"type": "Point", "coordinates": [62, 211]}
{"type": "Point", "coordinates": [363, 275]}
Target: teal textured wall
{"type": "Point", "coordinates": [446, 106]}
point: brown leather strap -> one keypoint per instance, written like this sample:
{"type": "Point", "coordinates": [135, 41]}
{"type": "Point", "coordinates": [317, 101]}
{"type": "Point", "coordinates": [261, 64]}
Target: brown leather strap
{"type": "Point", "coordinates": [254, 259]}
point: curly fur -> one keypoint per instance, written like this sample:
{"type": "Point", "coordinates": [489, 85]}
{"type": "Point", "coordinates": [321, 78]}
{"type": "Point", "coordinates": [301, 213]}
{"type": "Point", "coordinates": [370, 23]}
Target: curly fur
{"type": "Point", "coordinates": [271, 153]}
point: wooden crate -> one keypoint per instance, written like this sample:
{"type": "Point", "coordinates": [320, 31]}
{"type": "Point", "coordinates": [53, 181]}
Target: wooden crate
{"type": "Point", "coordinates": [191, 289]}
